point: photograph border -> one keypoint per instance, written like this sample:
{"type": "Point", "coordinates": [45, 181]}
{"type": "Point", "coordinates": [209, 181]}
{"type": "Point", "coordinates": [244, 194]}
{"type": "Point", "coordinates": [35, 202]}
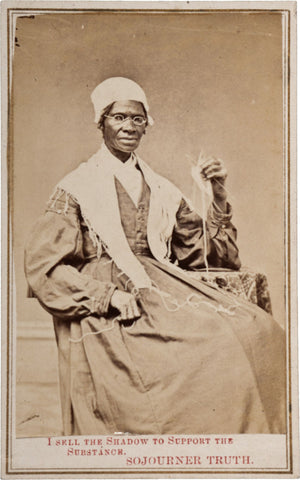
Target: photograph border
{"type": "Point", "coordinates": [9, 9]}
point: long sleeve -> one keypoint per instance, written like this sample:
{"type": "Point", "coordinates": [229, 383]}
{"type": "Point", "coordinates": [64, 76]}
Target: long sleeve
{"type": "Point", "coordinates": [188, 239]}
{"type": "Point", "coordinates": [53, 257]}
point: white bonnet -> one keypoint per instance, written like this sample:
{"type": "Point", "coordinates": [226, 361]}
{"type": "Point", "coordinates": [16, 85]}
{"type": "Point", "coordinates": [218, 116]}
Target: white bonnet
{"type": "Point", "coordinates": [117, 89]}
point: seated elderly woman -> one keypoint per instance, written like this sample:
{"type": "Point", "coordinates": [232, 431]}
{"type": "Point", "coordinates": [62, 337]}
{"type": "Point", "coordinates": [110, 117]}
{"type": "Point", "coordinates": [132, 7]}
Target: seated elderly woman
{"type": "Point", "coordinates": [144, 348]}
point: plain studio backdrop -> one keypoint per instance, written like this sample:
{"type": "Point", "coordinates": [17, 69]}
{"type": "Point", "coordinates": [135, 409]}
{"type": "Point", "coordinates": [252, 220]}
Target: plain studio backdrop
{"type": "Point", "coordinates": [213, 81]}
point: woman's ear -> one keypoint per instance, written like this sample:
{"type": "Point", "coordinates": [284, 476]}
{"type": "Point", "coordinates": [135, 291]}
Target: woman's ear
{"type": "Point", "coordinates": [100, 127]}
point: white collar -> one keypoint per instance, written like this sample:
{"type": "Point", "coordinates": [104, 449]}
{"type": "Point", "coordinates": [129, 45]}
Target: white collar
{"type": "Point", "coordinates": [114, 163]}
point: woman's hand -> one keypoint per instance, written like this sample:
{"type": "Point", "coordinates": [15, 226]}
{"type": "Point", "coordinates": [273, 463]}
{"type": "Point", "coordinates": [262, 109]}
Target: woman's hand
{"type": "Point", "coordinates": [126, 304]}
{"type": "Point", "coordinates": [213, 169]}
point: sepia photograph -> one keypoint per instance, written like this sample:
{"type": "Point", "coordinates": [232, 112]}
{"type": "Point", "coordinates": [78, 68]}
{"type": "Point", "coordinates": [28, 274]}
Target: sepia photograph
{"type": "Point", "coordinates": [148, 160]}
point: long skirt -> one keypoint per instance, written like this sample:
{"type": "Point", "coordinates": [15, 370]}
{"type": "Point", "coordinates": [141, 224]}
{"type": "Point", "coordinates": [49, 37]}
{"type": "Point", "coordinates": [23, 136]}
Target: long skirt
{"type": "Point", "coordinates": [197, 361]}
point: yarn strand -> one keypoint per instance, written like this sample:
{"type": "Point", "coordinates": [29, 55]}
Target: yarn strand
{"type": "Point", "coordinates": [97, 332]}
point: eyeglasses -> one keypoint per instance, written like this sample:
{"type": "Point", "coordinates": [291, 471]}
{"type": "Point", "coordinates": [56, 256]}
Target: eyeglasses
{"type": "Point", "coordinates": [138, 120]}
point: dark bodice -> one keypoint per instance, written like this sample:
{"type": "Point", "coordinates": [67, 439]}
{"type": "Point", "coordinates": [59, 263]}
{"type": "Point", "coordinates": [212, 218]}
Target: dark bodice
{"type": "Point", "coordinates": [134, 219]}
{"type": "Point", "coordinates": [134, 222]}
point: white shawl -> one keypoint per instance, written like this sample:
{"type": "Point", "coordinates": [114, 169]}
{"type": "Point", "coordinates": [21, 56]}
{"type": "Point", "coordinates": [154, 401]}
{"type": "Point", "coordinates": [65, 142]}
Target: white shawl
{"type": "Point", "coordinates": [92, 185]}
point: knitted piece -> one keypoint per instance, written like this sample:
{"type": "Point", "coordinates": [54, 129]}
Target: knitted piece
{"type": "Point", "coordinates": [249, 285]}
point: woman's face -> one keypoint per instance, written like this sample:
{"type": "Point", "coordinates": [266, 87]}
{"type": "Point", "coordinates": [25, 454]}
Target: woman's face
{"type": "Point", "coordinates": [122, 138]}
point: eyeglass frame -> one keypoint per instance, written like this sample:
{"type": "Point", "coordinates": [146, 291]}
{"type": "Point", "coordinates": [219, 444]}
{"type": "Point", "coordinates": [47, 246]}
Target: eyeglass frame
{"type": "Point", "coordinates": [145, 120]}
